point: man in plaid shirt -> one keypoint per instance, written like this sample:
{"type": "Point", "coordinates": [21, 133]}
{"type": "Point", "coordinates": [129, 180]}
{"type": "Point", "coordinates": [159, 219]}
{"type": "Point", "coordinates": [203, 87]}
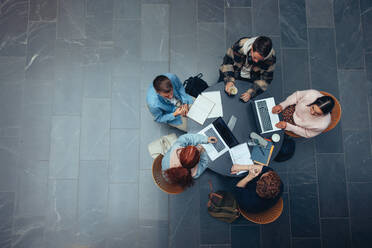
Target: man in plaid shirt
{"type": "Point", "coordinates": [252, 60]}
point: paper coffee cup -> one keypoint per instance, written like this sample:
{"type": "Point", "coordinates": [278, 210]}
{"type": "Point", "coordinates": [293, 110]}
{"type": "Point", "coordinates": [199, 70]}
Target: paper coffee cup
{"type": "Point", "coordinates": [275, 137]}
{"type": "Point", "coordinates": [233, 90]}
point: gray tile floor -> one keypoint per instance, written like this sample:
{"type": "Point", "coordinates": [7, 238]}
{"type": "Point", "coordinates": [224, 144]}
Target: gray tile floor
{"type": "Point", "coordinates": [74, 128]}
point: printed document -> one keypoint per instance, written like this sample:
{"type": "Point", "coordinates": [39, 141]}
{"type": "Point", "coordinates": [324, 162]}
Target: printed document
{"type": "Point", "coordinates": [200, 109]}
{"type": "Point", "coordinates": [240, 155]}
{"type": "Point", "coordinates": [214, 96]}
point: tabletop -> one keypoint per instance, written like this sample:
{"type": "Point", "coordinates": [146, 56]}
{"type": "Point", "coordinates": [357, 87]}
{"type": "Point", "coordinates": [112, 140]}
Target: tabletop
{"type": "Point", "coordinates": [245, 124]}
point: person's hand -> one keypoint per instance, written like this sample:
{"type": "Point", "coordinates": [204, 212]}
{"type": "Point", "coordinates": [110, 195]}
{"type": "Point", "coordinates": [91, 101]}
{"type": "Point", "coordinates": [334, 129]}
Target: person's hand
{"type": "Point", "coordinates": [277, 109]}
{"type": "Point", "coordinates": [281, 124]}
{"type": "Point", "coordinates": [235, 168]}
{"type": "Point", "coordinates": [255, 170]}
{"type": "Point", "coordinates": [178, 111]}
{"type": "Point", "coordinates": [246, 96]}
{"type": "Point", "coordinates": [228, 86]}
{"type": "Point", "coordinates": [185, 109]}
{"type": "Point", "coordinates": [212, 139]}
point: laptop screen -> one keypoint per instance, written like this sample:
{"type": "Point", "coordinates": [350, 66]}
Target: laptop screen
{"type": "Point", "coordinates": [225, 132]}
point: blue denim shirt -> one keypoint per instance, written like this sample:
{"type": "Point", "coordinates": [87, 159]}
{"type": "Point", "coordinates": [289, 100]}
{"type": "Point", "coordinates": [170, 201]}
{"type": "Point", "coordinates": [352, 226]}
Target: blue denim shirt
{"type": "Point", "coordinates": [161, 108]}
{"type": "Point", "coordinates": [188, 139]}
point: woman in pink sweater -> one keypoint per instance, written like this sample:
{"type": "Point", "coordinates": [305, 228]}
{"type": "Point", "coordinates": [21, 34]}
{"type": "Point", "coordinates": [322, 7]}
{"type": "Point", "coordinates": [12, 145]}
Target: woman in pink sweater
{"type": "Point", "coordinates": [305, 113]}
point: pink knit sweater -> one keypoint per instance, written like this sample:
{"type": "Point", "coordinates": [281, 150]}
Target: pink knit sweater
{"type": "Point", "coordinates": [307, 125]}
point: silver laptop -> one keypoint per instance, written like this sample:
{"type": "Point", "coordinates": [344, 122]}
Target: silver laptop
{"type": "Point", "coordinates": [265, 118]}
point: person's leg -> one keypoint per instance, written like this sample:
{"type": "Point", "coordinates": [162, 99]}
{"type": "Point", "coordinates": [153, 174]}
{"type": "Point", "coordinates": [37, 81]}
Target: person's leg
{"type": "Point", "coordinates": [287, 114]}
{"type": "Point", "coordinates": [183, 126]}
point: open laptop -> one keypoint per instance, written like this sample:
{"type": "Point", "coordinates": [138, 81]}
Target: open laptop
{"type": "Point", "coordinates": [226, 138]}
{"type": "Point", "coordinates": [265, 119]}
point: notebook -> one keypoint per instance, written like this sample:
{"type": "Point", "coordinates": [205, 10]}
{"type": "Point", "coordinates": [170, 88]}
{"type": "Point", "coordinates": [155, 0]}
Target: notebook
{"type": "Point", "coordinates": [261, 155]}
{"type": "Point", "coordinates": [200, 109]}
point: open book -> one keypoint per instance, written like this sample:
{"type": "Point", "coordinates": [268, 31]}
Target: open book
{"type": "Point", "coordinates": [200, 109]}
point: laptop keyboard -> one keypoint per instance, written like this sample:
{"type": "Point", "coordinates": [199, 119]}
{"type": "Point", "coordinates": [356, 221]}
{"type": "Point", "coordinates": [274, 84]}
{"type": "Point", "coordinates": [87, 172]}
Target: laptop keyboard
{"type": "Point", "coordinates": [264, 115]}
{"type": "Point", "coordinates": [219, 146]}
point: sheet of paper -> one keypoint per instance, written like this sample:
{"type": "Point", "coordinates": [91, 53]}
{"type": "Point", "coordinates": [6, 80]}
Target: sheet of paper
{"type": "Point", "coordinates": [200, 109]}
{"type": "Point", "coordinates": [214, 96]}
{"type": "Point", "coordinates": [240, 155]}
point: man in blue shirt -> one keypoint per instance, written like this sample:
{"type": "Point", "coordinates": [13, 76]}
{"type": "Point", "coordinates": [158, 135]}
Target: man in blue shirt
{"type": "Point", "coordinates": [168, 101]}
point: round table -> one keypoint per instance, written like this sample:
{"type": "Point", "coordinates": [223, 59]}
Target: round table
{"type": "Point", "coordinates": [245, 124]}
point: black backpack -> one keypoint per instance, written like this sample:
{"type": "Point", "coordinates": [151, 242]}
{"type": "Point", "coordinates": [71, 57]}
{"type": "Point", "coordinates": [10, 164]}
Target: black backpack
{"type": "Point", "coordinates": [222, 206]}
{"type": "Point", "coordinates": [195, 85]}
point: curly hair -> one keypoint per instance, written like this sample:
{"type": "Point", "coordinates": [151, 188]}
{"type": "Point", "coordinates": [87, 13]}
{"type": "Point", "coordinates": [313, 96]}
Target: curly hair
{"type": "Point", "coordinates": [268, 186]}
{"type": "Point", "coordinates": [180, 176]}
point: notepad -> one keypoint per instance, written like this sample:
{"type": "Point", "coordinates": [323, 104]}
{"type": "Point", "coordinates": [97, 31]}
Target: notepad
{"type": "Point", "coordinates": [240, 155]}
{"type": "Point", "coordinates": [214, 96]}
{"type": "Point", "coordinates": [262, 155]}
{"type": "Point", "coordinates": [200, 109]}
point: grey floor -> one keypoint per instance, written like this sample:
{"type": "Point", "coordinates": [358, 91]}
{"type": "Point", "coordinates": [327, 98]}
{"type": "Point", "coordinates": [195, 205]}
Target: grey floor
{"type": "Point", "coordinates": [74, 128]}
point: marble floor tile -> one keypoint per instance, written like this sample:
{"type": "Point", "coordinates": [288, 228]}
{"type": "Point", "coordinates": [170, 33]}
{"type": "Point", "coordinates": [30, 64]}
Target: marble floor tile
{"type": "Point", "coordinates": [319, 13]}
{"type": "Point", "coordinates": [295, 70]}
{"type": "Point", "coordinates": [92, 202]}
{"type": "Point", "coordinates": [64, 147]}
{"type": "Point", "coordinates": [349, 40]}
{"type": "Point", "coordinates": [211, 10]}
{"type": "Point", "coordinates": [127, 9]}
{"type": "Point", "coordinates": [6, 216]}
{"type": "Point", "coordinates": [123, 215]}
{"type": "Point", "coordinates": [43, 10]}
{"type": "Point", "coordinates": [124, 155]}
{"type": "Point", "coordinates": [265, 17]}
{"type": "Point", "coordinates": [155, 32]}
{"type": "Point", "coordinates": [304, 210]}
{"type": "Point", "coordinates": [13, 26]}
{"type": "Point", "coordinates": [332, 185]}
{"type": "Point", "coordinates": [211, 50]}
{"type": "Point", "coordinates": [238, 24]}
{"type": "Point", "coordinates": [61, 229]}
{"type": "Point", "coordinates": [95, 129]}
{"type": "Point", "coordinates": [293, 24]}
{"type": "Point", "coordinates": [71, 19]}
{"type": "Point", "coordinates": [336, 233]}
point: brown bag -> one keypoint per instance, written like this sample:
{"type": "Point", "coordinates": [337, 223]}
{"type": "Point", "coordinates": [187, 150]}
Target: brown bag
{"type": "Point", "coordinates": [222, 205]}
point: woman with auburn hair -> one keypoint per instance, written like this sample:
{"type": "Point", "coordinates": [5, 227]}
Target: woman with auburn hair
{"type": "Point", "coordinates": [259, 190]}
{"type": "Point", "coordinates": [305, 113]}
{"type": "Point", "coordinates": [186, 159]}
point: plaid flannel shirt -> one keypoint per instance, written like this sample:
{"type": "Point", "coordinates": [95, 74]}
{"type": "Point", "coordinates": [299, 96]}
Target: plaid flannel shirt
{"type": "Point", "coordinates": [262, 73]}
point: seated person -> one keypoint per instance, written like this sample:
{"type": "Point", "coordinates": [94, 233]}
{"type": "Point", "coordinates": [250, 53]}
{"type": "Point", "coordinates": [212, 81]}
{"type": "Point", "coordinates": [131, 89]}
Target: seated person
{"type": "Point", "coordinates": [252, 60]}
{"type": "Point", "coordinates": [186, 159]}
{"type": "Point", "coordinates": [168, 101]}
{"type": "Point", "coordinates": [259, 190]}
{"type": "Point", "coordinates": [305, 113]}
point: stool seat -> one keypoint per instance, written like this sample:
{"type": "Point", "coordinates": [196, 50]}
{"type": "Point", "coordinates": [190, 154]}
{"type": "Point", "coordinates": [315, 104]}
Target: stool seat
{"type": "Point", "coordinates": [160, 181]}
{"type": "Point", "coordinates": [267, 216]}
